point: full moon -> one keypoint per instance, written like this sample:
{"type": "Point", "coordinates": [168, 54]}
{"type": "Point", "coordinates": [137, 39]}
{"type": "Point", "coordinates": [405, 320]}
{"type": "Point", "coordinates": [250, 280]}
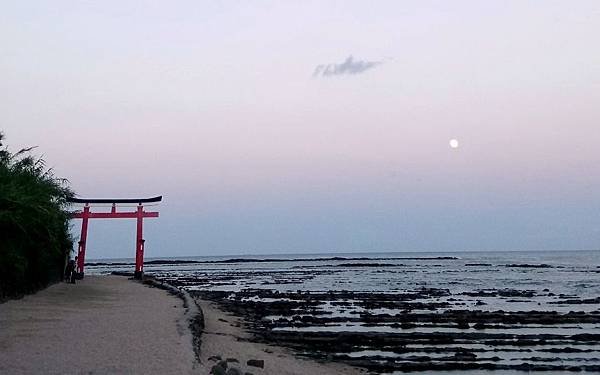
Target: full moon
{"type": "Point", "coordinates": [453, 143]}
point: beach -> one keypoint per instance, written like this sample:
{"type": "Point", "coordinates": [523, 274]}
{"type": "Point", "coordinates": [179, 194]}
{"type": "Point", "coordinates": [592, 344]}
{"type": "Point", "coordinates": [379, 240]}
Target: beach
{"type": "Point", "coordinates": [112, 325]}
{"type": "Point", "coordinates": [101, 325]}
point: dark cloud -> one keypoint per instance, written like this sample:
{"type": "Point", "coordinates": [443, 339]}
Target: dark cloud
{"type": "Point", "coordinates": [348, 67]}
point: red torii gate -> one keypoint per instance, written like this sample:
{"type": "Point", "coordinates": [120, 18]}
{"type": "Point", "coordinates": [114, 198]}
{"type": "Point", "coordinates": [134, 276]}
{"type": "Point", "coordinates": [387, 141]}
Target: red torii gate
{"type": "Point", "coordinates": [139, 214]}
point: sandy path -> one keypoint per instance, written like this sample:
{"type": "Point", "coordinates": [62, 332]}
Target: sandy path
{"type": "Point", "coordinates": [101, 325]}
{"type": "Point", "coordinates": [220, 338]}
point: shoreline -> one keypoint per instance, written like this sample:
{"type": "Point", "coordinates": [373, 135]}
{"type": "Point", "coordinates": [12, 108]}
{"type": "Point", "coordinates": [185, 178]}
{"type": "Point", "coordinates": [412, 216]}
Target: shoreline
{"type": "Point", "coordinates": [474, 314]}
{"type": "Point", "coordinates": [112, 325]}
{"type": "Point", "coordinates": [223, 339]}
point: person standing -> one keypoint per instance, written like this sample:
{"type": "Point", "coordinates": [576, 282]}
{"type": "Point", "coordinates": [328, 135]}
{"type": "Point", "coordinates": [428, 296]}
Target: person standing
{"type": "Point", "coordinates": [74, 273]}
{"type": "Point", "coordinates": [70, 271]}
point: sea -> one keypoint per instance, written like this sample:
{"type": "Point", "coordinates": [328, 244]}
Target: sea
{"type": "Point", "coordinates": [421, 294]}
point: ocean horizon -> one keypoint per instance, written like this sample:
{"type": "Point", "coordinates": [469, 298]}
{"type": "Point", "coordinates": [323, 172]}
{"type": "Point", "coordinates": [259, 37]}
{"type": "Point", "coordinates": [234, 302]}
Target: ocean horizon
{"type": "Point", "coordinates": [374, 254]}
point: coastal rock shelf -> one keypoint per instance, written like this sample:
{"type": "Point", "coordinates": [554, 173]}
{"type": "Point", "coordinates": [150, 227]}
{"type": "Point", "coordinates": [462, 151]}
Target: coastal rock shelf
{"type": "Point", "coordinates": [338, 326]}
{"type": "Point", "coordinates": [428, 312]}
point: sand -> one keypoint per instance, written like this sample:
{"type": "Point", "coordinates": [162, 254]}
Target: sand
{"type": "Point", "coordinates": [101, 325]}
{"type": "Point", "coordinates": [112, 325]}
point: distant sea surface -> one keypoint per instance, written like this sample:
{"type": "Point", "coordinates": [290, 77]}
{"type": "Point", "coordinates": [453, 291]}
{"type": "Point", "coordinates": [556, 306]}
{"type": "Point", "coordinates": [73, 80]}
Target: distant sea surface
{"type": "Point", "coordinates": [564, 272]}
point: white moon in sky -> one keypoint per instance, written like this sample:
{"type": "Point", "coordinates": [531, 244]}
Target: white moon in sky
{"type": "Point", "coordinates": [453, 143]}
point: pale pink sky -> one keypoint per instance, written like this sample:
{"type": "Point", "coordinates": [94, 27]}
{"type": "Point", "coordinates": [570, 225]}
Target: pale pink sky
{"type": "Point", "coordinates": [214, 105]}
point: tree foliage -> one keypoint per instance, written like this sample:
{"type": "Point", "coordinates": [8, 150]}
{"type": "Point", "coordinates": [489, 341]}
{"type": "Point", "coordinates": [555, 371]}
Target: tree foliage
{"type": "Point", "coordinates": [34, 224]}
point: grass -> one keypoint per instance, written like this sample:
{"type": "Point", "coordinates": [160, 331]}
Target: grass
{"type": "Point", "coordinates": [34, 223]}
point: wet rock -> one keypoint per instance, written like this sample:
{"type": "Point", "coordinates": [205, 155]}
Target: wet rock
{"type": "Point", "coordinates": [587, 301]}
{"type": "Point", "coordinates": [588, 337]}
{"type": "Point", "coordinates": [566, 350]}
{"type": "Point", "coordinates": [256, 363]}
{"type": "Point", "coordinates": [515, 293]}
{"type": "Point", "coordinates": [234, 371]}
{"type": "Point", "coordinates": [481, 293]}
{"type": "Point", "coordinates": [529, 266]}
{"type": "Point", "coordinates": [465, 356]}
{"type": "Point", "coordinates": [354, 265]}
{"type": "Point", "coordinates": [218, 370]}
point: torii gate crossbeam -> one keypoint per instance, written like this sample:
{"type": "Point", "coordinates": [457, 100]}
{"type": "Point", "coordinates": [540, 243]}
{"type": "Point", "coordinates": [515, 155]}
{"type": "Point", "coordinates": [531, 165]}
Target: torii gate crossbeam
{"type": "Point", "coordinates": [139, 215]}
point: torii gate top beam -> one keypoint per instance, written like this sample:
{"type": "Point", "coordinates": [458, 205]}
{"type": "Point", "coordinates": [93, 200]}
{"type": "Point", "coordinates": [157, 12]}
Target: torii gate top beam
{"type": "Point", "coordinates": [113, 215]}
{"type": "Point", "coordinates": [115, 200]}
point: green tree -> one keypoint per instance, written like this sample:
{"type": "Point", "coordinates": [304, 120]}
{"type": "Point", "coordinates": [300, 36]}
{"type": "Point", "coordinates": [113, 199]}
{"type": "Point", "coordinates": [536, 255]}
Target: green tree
{"type": "Point", "coordinates": [34, 223]}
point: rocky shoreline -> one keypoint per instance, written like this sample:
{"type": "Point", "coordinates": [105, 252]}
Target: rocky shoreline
{"type": "Point", "coordinates": [473, 340]}
{"type": "Point", "coordinates": [504, 312]}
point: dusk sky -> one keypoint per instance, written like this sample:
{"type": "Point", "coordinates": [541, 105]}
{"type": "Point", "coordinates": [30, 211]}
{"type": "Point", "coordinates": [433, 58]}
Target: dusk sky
{"type": "Point", "coordinates": [315, 126]}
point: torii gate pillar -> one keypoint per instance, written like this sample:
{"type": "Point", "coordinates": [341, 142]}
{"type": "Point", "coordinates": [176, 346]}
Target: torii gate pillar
{"type": "Point", "coordinates": [139, 246]}
{"type": "Point", "coordinates": [139, 215]}
{"type": "Point", "coordinates": [85, 215]}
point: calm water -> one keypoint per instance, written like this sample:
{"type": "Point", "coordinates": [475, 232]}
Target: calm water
{"type": "Point", "coordinates": [574, 273]}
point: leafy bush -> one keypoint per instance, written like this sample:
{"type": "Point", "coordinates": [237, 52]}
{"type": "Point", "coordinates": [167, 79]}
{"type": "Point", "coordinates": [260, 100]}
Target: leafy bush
{"type": "Point", "coordinates": [34, 224]}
